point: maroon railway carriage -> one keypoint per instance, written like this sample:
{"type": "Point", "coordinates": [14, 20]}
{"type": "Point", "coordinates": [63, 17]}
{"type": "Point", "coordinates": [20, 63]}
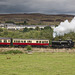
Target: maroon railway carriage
{"type": "Point", "coordinates": [5, 42]}
{"type": "Point", "coordinates": [32, 42]}
{"type": "Point", "coordinates": [23, 42]}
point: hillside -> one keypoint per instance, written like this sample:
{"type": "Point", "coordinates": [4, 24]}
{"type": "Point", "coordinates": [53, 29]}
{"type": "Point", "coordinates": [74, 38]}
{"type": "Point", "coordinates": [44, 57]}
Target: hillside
{"type": "Point", "coordinates": [35, 18]}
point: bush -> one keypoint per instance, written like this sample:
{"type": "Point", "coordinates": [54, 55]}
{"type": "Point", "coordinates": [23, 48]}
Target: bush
{"type": "Point", "coordinates": [1, 30]}
{"type": "Point", "coordinates": [9, 22]}
{"type": "Point", "coordinates": [25, 29]}
{"type": "Point", "coordinates": [37, 28]}
{"type": "Point", "coordinates": [47, 27]}
{"type": "Point", "coordinates": [12, 51]}
{"type": "Point", "coordinates": [29, 48]}
{"type": "Point", "coordinates": [5, 32]}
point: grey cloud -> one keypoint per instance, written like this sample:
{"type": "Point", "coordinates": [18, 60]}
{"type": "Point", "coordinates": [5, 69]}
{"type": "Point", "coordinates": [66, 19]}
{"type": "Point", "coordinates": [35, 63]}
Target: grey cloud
{"type": "Point", "coordinates": [38, 6]}
{"type": "Point", "coordinates": [3, 0]}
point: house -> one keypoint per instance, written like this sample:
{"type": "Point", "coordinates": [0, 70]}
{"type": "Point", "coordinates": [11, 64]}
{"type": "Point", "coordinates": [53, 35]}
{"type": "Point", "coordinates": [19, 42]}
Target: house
{"type": "Point", "coordinates": [18, 27]}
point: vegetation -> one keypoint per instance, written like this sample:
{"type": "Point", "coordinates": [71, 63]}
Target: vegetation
{"type": "Point", "coordinates": [12, 52]}
{"type": "Point", "coordinates": [37, 28]}
{"type": "Point", "coordinates": [46, 33]}
{"type": "Point", "coordinates": [34, 19]}
{"type": "Point", "coordinates": [25, 29]}
{"type": "Point", "coordinates": [28, 33]}
{"type": "Point", "coordinates": [1, 30]}
{"type": "Point", "coordinates": [29, 48]}
{"type": "Point", "coordinates": [38, 64]}
{"type": "Point", "coordinates": [9, 22]}
{"type": "Point", "coordinates": [70, 35]}
{"type": "Point", "coordinates": [23, 23]}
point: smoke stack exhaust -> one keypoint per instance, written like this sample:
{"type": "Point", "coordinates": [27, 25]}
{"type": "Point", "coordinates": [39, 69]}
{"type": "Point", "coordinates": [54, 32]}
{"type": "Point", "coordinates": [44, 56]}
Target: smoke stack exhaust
{"type": "Point", "coordinates": [64, 28]}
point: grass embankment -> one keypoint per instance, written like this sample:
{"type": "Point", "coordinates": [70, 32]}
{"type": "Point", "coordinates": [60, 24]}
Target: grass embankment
{"type": "Point", "coordinates": [45, 33]}
{"type": "Point", "coordinates": [38, 64]}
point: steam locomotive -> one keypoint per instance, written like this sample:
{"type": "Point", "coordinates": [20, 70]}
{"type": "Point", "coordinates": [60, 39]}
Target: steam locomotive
{"type": "Point", "coordinates": [63, 44]}
{"type": "Point", "coordinates": [35, 43]}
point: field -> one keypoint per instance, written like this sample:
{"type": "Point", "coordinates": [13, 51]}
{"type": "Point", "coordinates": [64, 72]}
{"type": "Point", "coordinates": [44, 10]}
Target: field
{"type": "Point", "coordinates": [34, 19]}
{"type": "Point", "coordinates": [38, 63]}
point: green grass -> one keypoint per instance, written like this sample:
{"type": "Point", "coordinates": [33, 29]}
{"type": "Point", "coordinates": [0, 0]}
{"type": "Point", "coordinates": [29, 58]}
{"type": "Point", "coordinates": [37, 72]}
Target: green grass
{"type": "Point", "coordinates": [38, 64]}
{"type": "Point", "coordinates": [12, 52]}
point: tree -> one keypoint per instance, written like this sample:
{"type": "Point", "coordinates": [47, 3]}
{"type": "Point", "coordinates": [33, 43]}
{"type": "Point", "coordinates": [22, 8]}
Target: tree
{"type": "Point", "coordinates": [5, 32]}
{"type": "Point", "coordinates": [37, 28]}
{"type": "Point", "coordinates": [1, 30]}
{"type": "Point", "coordinates": [29, 47]}
{"type": "Point", "coordinates": [42, 28]}
{"type": "Point", "coordinates": [25, 29]}
{"type": "Point", "coordinates": [25, 22]}
{"type": "Point", "coordinates": [9, 22]}
{"type": "Point", "coordinates": [31, 29]}
{"type": "Point", "coordinates": [47, 27]}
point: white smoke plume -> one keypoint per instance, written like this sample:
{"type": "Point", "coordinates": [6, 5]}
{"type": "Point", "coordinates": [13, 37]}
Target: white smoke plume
{"type": "Point", "coordinates": [64, 28]}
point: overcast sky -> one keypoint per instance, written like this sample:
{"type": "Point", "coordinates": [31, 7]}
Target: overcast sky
{"type": "Point", "coordinates": [38, 6]}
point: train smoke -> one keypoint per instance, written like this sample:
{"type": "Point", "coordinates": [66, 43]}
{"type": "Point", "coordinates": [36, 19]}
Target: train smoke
{"type": "Point", "coordinates": [64, 28]}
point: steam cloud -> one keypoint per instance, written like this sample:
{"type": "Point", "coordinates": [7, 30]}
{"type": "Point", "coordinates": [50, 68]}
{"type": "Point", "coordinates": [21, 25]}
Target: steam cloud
{"type": "Point", "coordinates": [64, 28]}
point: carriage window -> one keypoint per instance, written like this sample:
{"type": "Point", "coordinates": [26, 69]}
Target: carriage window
{"type": "Point", "coordinates": [5, 41]}
{"type": "Point", "coordinates": [8, 40]}
{"type": "Point", "coordinates": [0, 40]}
{"type": "Point", "coordinates": [18, 41]}
{"type": "Point", "coordinates": [21, 41]}
{"type": "Point", "coordinates": [42, 41]}
{"type": "Point", "coordinates": [46, 41]}
{"type": "Point", "coordinates": [14, 41]}
{"type": "Point", "coordinates": [36, 41]}
{"type": "Point", "coordinates": [24, 41]}
{"type": "Point", "coordinates": [29, 41]}
{"type": "Point", "coordinates": [39, 41]}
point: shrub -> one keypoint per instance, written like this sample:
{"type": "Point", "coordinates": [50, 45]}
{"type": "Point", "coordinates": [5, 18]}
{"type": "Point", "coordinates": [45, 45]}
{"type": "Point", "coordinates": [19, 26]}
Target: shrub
{"type": "Point", "coordinates": [1, 30]}
{"type": "Point", "coordinates": [12, 51]}
{"type": "Point", "coordinates": [37, 28]}
{"type": "Point", "coordinates": [6, 32]}
{"type": "Point", "coordinates": [25, 29]}
{"type": "Point", "coordinates": [9, 22]}
{"type": "Point", "coordinates": [29, 48]}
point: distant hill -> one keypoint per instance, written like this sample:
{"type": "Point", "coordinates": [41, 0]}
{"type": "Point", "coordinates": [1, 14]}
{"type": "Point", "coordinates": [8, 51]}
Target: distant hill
{"type": "Point", "coordinates": [34, 18]}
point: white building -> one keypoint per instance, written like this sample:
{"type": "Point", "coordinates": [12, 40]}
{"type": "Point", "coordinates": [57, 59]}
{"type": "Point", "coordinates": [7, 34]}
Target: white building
{"type": "Point", "coordinates": [18, 27]}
